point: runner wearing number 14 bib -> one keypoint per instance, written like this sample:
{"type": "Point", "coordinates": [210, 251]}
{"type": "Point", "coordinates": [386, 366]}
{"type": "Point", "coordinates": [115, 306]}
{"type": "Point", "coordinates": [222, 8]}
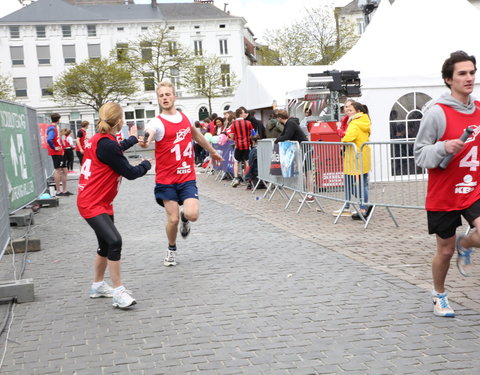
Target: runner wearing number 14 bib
{"type": "Point", "coordinates": [173, 133]}
{"type": "Point", "coordinates": [452, 192]}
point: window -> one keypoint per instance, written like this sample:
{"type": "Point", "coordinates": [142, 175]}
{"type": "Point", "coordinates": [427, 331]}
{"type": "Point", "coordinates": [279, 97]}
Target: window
{"type": "Point", "coordinates": [196, 27]}
{"type": "Point", "coordinates": [171, 27]}
{"type": "Point", "coordinates": [120, 28]}
{"type": "Point", "coordinates": [46, 84]}
{"type": "Point", "coordinates": [144, 28]}
{"type": "Point", "coordinates": [223, 47]}
{"type": "Point", "coordinates": [20, 87]}
{"type": "Point", "coordinates": [139, 113]}
{"type": "Point", "coordinates": [405, 117]}
{"type": "Point", "coordinates": [14, 32]}
{"type": "Point", "coordinates": [200, 76]}
{"type": "Point", "coordinates": [149, 82]}
{"type": "Point", "coordinates": [360, 26]}
{"type": "Point", "coordinates": [197, 46]}
{"type": "Point", "coordinates": [43, 54]}
{"type": "Point", "coordinates": [146, 51]}
{"type": "Point", "coordinates": [225, 72]}
{"type": "Point", "coordinates": [221, 26]}
{"type": "Point", "coordinates": [94, 51]}
{"type": "Point", "coordinates": [172, 48]}
{"type": "Point", "coordinates": [41, 31]}
{"type": "Point", "coordinates": [175, 78]}
{"type": "Point", "coordinates": [69, 54]}
{"type": "Point", "coordinates": [122, 49]}
{"type": "Point", "coordinates": [130, 115]}
{"type": "Point", "coordinates": [150, 113]}
{"type": "Point", "coordinates": [92, 30]}
{"type": "Point", "coordinates": [66, 31]}
{"type": "Point", "coordinates": [16, 52]}
{"type": "Point", "coordinates": [202, 113]}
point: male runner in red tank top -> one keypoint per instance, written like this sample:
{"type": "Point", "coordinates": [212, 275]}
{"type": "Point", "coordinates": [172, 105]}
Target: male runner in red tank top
{"type": "Point", "coordinates": [175, 179]}
{"type": "Point", "coordinates": [453, 191]}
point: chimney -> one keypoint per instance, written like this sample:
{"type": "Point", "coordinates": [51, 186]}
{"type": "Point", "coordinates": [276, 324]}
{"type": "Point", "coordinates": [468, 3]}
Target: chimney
{"type": "Point", "coordinates": [154, 3]}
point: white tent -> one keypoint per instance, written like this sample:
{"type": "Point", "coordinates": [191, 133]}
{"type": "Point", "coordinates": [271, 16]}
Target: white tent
{"type": "Point", "coordinates": [403, 49]}
{"type": "Point", "coordinates": [262, 85]}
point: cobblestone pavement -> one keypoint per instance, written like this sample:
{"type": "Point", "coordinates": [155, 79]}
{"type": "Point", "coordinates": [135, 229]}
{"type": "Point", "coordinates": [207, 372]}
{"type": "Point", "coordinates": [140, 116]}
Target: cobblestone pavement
{"type": "Point", "coordinates": [258, 290]}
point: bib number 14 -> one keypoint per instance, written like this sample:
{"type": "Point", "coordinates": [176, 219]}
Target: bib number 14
{"type": "Point", "coordinates": [186, 153]}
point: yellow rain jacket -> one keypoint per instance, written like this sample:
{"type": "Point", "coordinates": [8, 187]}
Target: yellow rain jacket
{"type": "Point", "coordinates": [358, 132]}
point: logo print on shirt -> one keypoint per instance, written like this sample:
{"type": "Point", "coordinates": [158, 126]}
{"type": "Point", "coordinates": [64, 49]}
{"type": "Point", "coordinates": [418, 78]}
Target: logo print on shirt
{"type": "Point", "coordinates": [476, 131]}
{"type": "Point", "coordinates": [181, 134]}
{"type": "Point", "coordinates": [184, 169]}
{"type": "Point", "coordinates": [467, 186]}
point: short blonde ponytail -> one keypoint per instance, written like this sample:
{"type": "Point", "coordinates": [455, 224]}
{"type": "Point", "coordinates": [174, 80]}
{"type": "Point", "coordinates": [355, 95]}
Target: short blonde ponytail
{"type": "Point", "coordinates": [109, 115]}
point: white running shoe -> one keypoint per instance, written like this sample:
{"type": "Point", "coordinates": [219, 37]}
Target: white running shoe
{"type": "Point", "coordinates": [441, 307]}
{"type": "Point", "coordinates": [123, 299]}
{"type": "Point", "coordinates": [464, 261]}
{"type": "Point", "coordinates": [170, 259]}
{"type": "Point", "coordinates": [103, 290]}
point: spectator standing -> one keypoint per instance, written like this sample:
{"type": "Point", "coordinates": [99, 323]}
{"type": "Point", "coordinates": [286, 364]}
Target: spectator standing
{"type": "Point", "coordinates": [103, 168]}
{"type": "Point", "coordinates": [240, 132]}
{"type": "Point", "coordinates": [452, 192]}
{"type": "Point", "coordinates": [81, 138]}
{"type": "Point", "coordinates": [55, 150]}
{"type": "Point", "coordinates": [69, 145]}
{"type": "Point", "coordinates": [274, 127]}
{"type": "Point", "coordinates": [356, 173]}
{"type": "Point", "coordinates": [257, 124]}
{"type": "Point", "coordinates": [304, 122]}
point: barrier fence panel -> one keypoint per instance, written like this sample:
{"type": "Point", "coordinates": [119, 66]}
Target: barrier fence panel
{"type": "Point", "coordinates": [38, 166]}
{"type": "Point", "coordinates": [394, 179]}
{"type": "Point", "coordinates": [280, 167]}
{"type": "Point", "coordinates": [4, 213]}
{"type": "Point", "coordinates": [46, 161]}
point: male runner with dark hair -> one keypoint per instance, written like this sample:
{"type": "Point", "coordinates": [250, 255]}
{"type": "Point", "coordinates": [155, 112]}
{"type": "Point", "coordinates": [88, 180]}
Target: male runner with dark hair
{"type": "Point", "coordinates": [452, 191]}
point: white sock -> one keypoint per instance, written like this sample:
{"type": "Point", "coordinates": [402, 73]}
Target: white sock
{"type": "Point", "coordinates": [435, 293]}
{"type": "Point", "coordinates": [98, 284]}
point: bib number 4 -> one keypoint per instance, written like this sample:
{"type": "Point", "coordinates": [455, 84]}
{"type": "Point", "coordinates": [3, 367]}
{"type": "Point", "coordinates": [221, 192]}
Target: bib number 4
{"type": "Point", "coordinates": [470, 160]}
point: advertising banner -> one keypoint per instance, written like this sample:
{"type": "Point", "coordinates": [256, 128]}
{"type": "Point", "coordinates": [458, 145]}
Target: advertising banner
{"type": "Point", "coordinates": [226, 150]}
{"type": "Point", "coordinates": [275, 167]}
{"type": "Point", "coordinates": [16, 150]}
{"type": "Point", "coordinates": [288, 158]}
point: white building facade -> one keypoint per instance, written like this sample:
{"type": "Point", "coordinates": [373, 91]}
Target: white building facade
{"type": "Point", "coordinates": [42, 40]}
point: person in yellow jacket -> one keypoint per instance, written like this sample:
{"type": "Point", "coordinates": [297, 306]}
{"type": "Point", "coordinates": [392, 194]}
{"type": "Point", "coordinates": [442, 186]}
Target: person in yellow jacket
{"type": "Point", "coordinates": [356, 166]}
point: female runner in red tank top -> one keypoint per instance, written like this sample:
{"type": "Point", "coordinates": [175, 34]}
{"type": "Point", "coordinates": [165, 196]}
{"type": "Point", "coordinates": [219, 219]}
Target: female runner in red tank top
{"type": "Point", "coordinates": [103, 167]}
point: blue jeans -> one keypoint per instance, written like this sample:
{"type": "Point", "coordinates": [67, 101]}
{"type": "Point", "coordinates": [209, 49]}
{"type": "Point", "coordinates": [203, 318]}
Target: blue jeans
{"type": "Point", "coordinates": [351, 187]}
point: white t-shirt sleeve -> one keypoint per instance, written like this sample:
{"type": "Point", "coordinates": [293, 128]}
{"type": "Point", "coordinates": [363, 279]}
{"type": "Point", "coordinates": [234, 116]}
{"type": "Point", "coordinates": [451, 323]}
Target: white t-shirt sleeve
{"type": "Point", "coordinates": [157, 126]}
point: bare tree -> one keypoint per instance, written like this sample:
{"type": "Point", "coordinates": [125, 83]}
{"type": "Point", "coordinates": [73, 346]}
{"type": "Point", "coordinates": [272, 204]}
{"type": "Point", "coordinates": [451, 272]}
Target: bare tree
{"type": "Point", "coordinates": [211, 77]}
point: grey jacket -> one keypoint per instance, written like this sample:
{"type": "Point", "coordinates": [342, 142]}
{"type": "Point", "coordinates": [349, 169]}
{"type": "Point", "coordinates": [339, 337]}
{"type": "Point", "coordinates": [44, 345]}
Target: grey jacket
{"type": "Point", "coordinates": [428, 150]}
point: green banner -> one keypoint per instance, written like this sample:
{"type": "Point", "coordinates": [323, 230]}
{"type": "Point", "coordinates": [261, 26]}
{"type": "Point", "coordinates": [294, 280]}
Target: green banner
{"type": "Point", "coordinates": [16, 150]}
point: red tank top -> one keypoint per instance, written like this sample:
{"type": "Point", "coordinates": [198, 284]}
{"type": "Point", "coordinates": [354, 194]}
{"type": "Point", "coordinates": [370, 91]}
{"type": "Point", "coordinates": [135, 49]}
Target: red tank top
{"type": "Point", "coordinates": [241, 129]}
{"type": "Point", "coordinates": [82, 139]}
{"type": "Point", "coordinates": [57, 142]}
{"type": "Point", "coordinates": [98, 185]}
{"type": "Point", "coordinates": [455, 188]}
{"type": "Point", "coordinates": [174, 153]}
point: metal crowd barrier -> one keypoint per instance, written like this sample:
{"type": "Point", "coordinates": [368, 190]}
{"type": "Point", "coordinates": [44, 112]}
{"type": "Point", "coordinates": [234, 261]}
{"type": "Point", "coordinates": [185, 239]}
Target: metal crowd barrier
{"type": "Point", "coordinates": [24, 166]}
{"type": "Point", "coordinates": [334, 171]}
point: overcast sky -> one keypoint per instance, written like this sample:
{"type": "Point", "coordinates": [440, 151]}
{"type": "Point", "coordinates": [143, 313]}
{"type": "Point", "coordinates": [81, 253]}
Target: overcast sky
{"type": "Point", "coordinates": [260, 14]}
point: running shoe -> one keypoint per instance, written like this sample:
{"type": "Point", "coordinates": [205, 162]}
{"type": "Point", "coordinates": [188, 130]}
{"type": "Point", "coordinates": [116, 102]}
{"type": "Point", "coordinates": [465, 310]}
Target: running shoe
{"type": "Point", "coordinates": [441, 307]}
{"type": "Point", "coordinates": [67, 193]}
{"type": "Point", "coordinates": [310, 198]}
{"type": "Point", "coordinates": [123, 299]}
{"type": "Point", "coordinates": [235, 182]}
{"type": "Point", "coordinates": [464, 261]}
{"type": "Point", "coordinates": [103, 290]}
{"type": "Point", "coordinates": [184, 226]}
{"type": "Point", "coordinates": [345, 212]}
{"type": "Point", "coordinates": [170, 259]}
